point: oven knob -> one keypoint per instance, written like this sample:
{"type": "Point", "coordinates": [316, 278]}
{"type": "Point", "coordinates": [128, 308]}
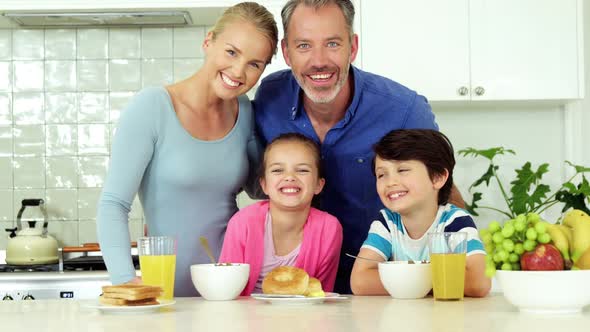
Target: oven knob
{"type": "Point", "coordinates": [7, 298]}
{"type": "Point", "coordinates": [28, 297]}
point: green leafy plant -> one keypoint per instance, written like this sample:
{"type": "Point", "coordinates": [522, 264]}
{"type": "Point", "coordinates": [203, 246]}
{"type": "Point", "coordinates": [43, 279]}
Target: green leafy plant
{"type": "Point", "coordinates": [527, 193]}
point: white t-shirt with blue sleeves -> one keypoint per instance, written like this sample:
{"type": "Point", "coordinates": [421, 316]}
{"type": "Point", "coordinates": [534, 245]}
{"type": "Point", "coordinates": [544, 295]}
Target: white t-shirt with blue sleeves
{"type": "Point", "coordinates": [388, 236]}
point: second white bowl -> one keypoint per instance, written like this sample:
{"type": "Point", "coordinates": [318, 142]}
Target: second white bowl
{"type": "Point", "coordinates": [220, 282]}
{"type": "Point", "coordinates": [406, 281]}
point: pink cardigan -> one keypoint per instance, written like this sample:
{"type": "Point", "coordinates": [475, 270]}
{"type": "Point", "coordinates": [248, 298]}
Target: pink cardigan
{"type": "Point", "coordinates": [318, 256]}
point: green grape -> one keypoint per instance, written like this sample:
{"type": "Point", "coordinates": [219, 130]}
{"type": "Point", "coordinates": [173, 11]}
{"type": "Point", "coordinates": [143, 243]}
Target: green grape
{"type": "Point", "coordinates": [506, 267]}
{"type": "Point", "coordinates": [489, 248]}
{"type": "Point", "coordinates": [503, 255]}
{"type": "Point", "coordinates": [486, 238]}
{"type": "Point", "coordinates": [497, 258]}
{"type": "Point", "coordinates": [544, 238]}
{"type": "Point", "coordinates": [489, 259]}
{"type": "Point", "coordinates": [519, 225]}
{"type": "Point", "coordinates": [515, 266]}
{"type": "Point", "coordinates": [518, 249]}
{"type": "Point", "coordinates": [490, 271]}
{"type": "Point", "coordinates": [521, 218]}
{"type": "Point", "coordinates": [513, 258]}
{"type": "Point", "coordinates": [497, 237]}
{"type": "Point", "coordinates": [531, 234]}
{"type": "Point", "coordinates": [508, 245]}
{"type": "Point", "coordinates": [508, 230]}
{"type": "Point", "coordinates": [533, 217]}
{"type": "Point", "coordinates": [484, 231]}
{"type": "Point", "coordinates": [541, 228]}
{"type": "Point", "coordinates": [529, 245]}
{"type": "Point", "coordinates": [494, 226]}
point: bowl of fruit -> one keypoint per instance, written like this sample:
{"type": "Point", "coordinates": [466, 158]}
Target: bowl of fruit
{"type": "Point", "coordinates": [541, 267]}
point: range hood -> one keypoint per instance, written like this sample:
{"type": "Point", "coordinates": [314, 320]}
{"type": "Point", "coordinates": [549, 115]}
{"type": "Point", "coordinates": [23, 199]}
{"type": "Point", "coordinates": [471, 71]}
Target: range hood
{"type": "Point", "coordinates": [74, 19]}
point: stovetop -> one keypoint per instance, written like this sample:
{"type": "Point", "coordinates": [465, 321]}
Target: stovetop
{"type": "Point", "coordinates": [81, 263]}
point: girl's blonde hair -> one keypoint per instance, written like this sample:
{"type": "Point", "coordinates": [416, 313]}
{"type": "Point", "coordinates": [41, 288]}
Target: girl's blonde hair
{"type": "Point", "coordinates": [251, 12]}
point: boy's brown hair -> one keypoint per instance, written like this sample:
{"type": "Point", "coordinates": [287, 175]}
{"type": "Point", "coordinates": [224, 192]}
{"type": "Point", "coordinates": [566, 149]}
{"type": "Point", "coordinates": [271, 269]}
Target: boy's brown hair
{"type": "Point", "coordinates": [430, 147]}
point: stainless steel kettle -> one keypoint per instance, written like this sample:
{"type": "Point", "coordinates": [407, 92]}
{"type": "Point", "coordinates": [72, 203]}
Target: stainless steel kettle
{"type": "Point", "coordinates": [31, 246]}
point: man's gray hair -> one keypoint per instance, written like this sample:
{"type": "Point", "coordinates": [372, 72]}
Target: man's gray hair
{"type": "Point", "coordinates": [345, 6]}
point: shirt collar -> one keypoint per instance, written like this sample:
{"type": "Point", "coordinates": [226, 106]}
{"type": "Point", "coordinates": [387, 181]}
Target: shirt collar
{"type": "Point", "coordinates": [297, 101]}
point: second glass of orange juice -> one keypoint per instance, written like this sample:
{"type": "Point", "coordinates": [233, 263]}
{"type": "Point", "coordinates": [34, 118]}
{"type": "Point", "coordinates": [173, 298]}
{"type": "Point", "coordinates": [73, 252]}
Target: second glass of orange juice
{"type": "Point", "coordinates": [447, 259]}
{"type": "Point", "coordinates": [157, 260]}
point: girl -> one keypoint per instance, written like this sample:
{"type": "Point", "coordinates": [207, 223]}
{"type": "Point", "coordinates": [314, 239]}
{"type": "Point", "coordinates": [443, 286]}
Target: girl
{"type": "Point", "coordinates": [286, 230]}
{"type": "Point", "coordinates": [186, 148]}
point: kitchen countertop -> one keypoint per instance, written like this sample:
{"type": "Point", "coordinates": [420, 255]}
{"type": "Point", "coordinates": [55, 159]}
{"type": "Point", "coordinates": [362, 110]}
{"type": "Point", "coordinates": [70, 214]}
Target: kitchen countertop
{"type": "Point", "coordinates": [379, 313]}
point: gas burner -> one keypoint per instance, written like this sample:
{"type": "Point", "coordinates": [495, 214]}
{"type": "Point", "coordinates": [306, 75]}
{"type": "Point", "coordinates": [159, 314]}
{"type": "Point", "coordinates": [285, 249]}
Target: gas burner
{"type": "Point", "coordinates": [29, 268]}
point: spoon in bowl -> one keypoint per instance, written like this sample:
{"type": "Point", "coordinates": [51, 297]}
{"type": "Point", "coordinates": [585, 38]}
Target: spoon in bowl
{"type": "Point", "coordinates": [369, 259]}
{"type": "Point", "coordinates": [205, 245]}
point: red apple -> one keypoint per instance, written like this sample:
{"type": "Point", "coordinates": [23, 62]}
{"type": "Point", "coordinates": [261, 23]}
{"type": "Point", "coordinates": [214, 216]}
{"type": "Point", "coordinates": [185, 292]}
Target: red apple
{"type": "Point", "coordinates": [545, 257]}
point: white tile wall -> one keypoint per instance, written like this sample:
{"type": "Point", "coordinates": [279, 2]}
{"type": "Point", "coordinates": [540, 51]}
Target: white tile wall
{"type": "Point", "coordinates": [61, 94]}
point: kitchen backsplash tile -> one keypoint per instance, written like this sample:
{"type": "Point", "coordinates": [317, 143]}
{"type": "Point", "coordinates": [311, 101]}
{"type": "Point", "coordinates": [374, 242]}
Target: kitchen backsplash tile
{"type": "Point", "coordinates": [28, 75]}
{"type": "Point", "coordinates": [27, 108]}
{"type": "Point", "coordinates": [92, 75]}
{"type": "Point", "coordinates": [62, 92]}
{"type": "Point", "coordinates": [29, 141]}
{"type": "Point", "coordinates": [5, 44]}
{"type": "Point", "coordinates": [188, 42]}
{"type": "Point", "coordinates": [156, 43]}
{"type": "Point", "coordinates": [5, 76]}
{"type": "Point", "coordinates": [92, 43]}
{"type": "Point", "coordinates": [124, 75]}
{"type": "Point", "coordinates": [128, 43]}
{"type": "Point", "coordinates": [156, 72]}
{"type": "Point", "coordinates": [60, 75]}
{"type": "Point", "coordinates": [61, 107]}
{"type": "Point", "coordinates": [6, 169]}
{"type": "Point", "coordinates": [61, 172]}
{"type": "Point", "coordinates": [61, 140]}
{"type": "Point", "coordinates": [93, 107]}
{"type": "Point", "coordinates": [5, 209]}
{"type": "Point", "coordinates": [60, 44]}
{"type": "Point", "coordinates": [5, 109]}
{"type": "Point", "coordinates": [6, 138]}
{"type": "Point", "coordinates": [28, 44]}
{"type": "Point", "coordinates": [29, 172]}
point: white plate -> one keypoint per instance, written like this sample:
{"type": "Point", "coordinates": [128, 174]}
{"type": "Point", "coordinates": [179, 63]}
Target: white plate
{"type": "Point", "coordinates": [297, 299]}
{"type": "Point", "coordinates": [117, 309]}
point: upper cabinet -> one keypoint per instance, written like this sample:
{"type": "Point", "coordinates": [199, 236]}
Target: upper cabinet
{"type": "Point", "coordinates": [476, 49]}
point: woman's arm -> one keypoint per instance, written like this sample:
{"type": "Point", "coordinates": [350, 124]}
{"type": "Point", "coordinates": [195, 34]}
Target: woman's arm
{"type": "Point", "coordinates": [364, 279]}
{"type": "Point", "coordinates": [131, 152]}
{"type": "Point", "coordinates": [476, 282]}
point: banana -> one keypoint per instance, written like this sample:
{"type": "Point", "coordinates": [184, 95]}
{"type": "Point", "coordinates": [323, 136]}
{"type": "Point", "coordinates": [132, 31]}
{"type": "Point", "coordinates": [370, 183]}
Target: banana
{"type": "Point", "coordinates": [579, 222]}
{"type": "Point", "coordinates": [583, 262]}
{"type": "Point", "coordinates": [560, 240]}
{"type": "Point", "coordinates": [567, 231]}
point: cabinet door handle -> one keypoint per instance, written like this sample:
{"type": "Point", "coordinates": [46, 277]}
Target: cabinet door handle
{"type": "Point", "coordinates": [462, 91]}
{"type": "Point", "coordinates": [479, 91]}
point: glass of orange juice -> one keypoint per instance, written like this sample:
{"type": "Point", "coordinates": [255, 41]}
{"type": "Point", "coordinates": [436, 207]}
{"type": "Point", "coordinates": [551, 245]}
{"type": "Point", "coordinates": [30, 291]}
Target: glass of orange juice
{"type": "Point", "coordinates": [157, 261]}
{"type": "Point", "coordinates": [448, 252]}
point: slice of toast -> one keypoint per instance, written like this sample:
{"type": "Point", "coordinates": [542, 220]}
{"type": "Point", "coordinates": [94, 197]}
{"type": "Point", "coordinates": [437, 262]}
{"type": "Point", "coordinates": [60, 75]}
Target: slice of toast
{"type": "Point", "coordinates": [131, 291]}
{"type": "Point", "coordinates": [132, 297]}
{"type": "Point", "coordinates": [123, 302]}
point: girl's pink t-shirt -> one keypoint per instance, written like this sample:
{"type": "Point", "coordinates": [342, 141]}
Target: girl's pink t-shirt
{"type": "Point", "coordinates": [271, 260]}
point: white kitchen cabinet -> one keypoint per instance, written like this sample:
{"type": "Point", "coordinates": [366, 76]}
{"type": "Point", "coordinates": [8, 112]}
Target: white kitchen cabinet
{"type": "Point", "coordinates": [476, 49]}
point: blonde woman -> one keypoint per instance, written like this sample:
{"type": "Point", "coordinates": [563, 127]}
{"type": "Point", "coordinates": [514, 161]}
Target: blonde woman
{"type": "Point", "coordinates": [187, 149]}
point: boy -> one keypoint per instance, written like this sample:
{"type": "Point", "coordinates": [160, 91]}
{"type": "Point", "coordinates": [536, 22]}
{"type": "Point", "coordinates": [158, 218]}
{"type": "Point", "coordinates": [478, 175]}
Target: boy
{"type": "Point", "coordinates": [414, 171]}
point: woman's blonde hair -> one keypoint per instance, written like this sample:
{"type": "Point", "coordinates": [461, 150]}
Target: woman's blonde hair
{"type": "Point", "coordinates": [251, 12]}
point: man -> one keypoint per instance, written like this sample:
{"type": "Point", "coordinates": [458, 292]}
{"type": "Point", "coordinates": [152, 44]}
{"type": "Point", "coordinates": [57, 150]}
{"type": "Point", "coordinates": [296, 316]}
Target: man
{"type": "Point", "coordinates": [341, 107]}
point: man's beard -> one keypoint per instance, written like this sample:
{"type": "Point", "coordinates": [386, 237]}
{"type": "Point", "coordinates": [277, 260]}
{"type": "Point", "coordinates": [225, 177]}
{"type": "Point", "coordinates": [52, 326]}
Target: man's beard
{"type": "Point", "coordinates": [321, 98]}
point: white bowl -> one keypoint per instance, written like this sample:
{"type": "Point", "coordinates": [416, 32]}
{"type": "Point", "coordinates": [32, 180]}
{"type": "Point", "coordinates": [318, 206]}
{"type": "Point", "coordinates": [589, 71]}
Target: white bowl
{"type": "Point", "coordinates": [546, 291]}
{"type": "Point", "coordinates": [406, 281]}
{"type": "Point", "coordinates": [220, 282]}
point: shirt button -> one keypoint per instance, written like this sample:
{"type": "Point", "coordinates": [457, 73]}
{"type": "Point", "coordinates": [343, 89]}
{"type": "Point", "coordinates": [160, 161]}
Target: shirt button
{"type": "Point", "coordinates": [360, 160]}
